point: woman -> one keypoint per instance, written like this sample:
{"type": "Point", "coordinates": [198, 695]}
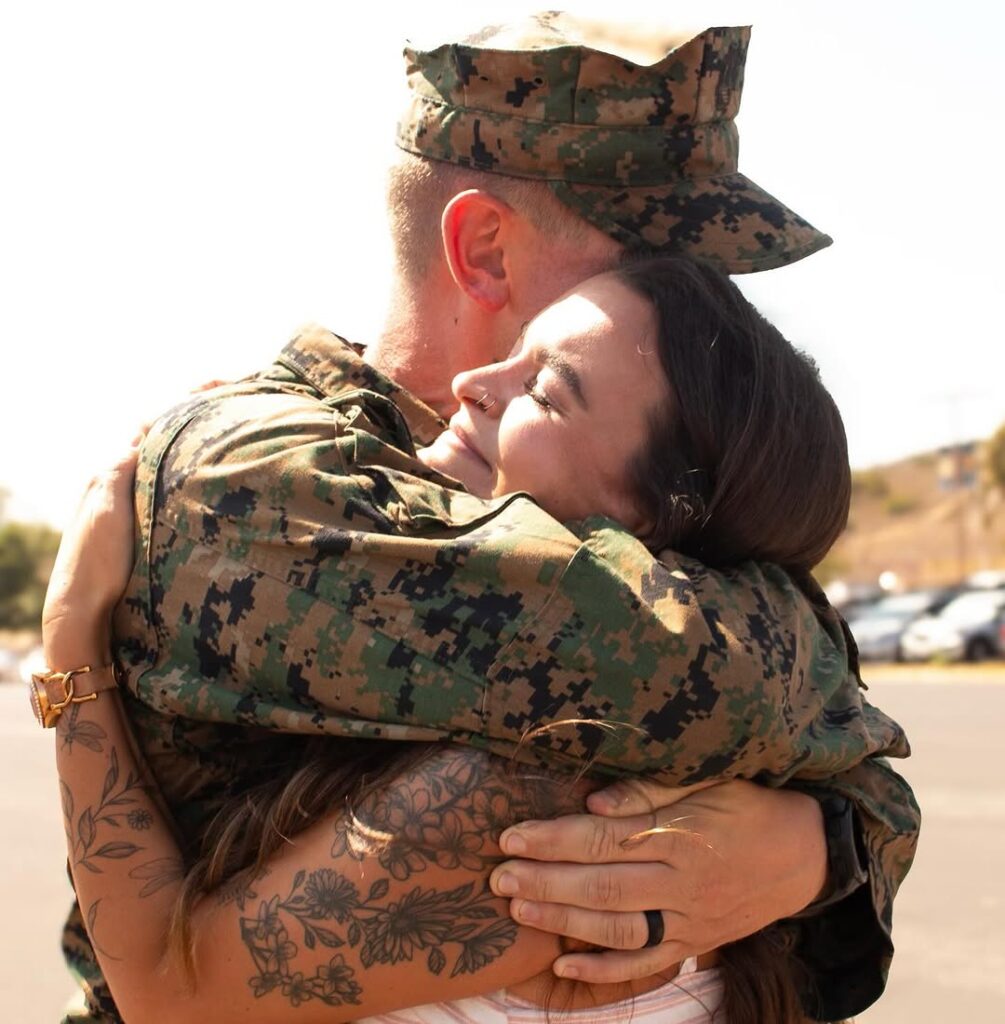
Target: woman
{"type": "Point", "coordinates": [653, 395]}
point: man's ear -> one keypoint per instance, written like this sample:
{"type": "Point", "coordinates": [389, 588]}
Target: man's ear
{"type": "Point", "coordinates": [475, 227]}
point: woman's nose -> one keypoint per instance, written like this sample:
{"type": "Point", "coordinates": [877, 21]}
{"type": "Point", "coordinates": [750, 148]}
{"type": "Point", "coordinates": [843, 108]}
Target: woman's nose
{"type": "Point", "coordinates": [482, 388]}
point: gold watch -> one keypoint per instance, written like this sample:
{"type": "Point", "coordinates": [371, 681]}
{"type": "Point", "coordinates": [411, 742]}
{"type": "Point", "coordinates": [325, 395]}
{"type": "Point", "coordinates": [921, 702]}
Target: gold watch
{"type": "Point", "coordinates": [53, 692]}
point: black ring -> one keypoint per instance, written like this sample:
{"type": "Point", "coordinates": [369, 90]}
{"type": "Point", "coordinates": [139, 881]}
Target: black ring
{"type": "Point", "coordinates": [654, 922]}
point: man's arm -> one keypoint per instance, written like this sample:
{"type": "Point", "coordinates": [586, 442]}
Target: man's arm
{"type": "Point", "coordinates": [298, 573]}
{"type": "Point", "coordinates": [451, 619]}
{"type": "Point", "coordinates": [845, 939]}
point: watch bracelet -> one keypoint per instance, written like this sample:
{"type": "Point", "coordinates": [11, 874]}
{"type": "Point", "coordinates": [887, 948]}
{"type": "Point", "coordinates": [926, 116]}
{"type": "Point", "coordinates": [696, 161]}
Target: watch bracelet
{"type": "Point", "coordinates": [47, 712]}
{"type": "Point", "coordinates": [847, 861]}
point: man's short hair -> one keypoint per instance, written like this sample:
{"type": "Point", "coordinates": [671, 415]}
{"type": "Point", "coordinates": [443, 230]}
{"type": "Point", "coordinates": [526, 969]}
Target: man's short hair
{"type": "Point", "coordinates": [645, 152]}
{"type": "Point", "coordinates": [418, 190]}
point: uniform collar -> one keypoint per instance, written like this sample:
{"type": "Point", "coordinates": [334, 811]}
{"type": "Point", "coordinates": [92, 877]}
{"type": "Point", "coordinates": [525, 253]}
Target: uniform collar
{"type": "Point", "coordinates": [333, 365]}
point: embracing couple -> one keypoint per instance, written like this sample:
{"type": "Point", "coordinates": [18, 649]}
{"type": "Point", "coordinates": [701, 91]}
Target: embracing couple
{"type": "Point", "coordinates": [329, 666]}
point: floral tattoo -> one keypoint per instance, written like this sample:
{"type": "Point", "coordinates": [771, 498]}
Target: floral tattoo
{"type": "Point", "coordinates": [331, 912]}
{"type": "Point", "coordinates": [447, 812]}
{"type": "Point", "coordinates": [117, 804]}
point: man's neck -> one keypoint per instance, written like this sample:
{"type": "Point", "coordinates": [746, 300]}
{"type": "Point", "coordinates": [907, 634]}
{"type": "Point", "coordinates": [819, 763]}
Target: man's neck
{"type": "Point", "coordinates": [418, 348]}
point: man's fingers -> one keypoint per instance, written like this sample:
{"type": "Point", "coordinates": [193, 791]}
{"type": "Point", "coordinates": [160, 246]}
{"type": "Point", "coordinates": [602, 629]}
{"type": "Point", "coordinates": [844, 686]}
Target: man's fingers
{"type": "Point", "coordinates": [609, 929]}
{"type": "Point", "coordinates": [588, 839]}
{"type": "Point", "coordinates": [626, 887]}
{"type": "Point", "coordinates": [631, 797]}
{"type": "Point", "coordinates": [614, 966]}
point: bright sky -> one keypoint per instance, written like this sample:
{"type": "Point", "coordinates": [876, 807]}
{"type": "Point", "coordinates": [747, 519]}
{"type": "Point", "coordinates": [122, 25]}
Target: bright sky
{"type": "Point", "coordinates": [184, 183]}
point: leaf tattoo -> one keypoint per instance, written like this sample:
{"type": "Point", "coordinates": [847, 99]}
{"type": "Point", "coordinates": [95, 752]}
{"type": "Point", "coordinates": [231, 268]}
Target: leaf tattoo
{"type": "Point", "coordinates": [92, 927]}
{"type": "Point", "coordinates": [66, 797]}
{"type": "Point", "coordinates": [116, 802]}
{"type": "Point", "coordinates": [157, 874]}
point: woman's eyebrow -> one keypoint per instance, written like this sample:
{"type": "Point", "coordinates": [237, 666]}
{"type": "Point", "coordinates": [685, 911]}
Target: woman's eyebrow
{"type": "Point", "coordinates": [566, 372]}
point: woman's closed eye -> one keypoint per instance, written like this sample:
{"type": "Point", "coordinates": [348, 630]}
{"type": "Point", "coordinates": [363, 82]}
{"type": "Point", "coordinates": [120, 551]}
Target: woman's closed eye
{"type": "Point", "coordinates": [537, 395]}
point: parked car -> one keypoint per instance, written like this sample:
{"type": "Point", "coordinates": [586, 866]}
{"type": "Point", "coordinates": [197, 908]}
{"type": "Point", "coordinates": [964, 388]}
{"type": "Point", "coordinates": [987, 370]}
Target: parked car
{"type": "Point", "coordinates": [878, 628]}
{"type": "Point", "coordinates": [850, 599]}
{"type": "Point", "coordinates": [986, 579]}
{"type": "Point", "coordinates": [971, 627]}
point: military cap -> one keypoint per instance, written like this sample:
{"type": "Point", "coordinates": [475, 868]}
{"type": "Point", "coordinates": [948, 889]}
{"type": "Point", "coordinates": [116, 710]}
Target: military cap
{"type": "Point", "coordinates": [646, 152]}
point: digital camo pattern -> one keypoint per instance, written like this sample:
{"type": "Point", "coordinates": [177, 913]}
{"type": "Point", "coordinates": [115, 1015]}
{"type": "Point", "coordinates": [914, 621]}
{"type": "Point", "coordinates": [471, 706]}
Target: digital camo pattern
{"type": "Point", "coordinates": [646, 153]}
{"type": "Point", "coordinates": [300, 573]}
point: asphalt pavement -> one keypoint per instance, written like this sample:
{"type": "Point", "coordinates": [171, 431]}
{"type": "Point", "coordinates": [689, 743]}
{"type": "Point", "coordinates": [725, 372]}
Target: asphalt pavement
{"type": "Point", "coordinates": [950, 916]}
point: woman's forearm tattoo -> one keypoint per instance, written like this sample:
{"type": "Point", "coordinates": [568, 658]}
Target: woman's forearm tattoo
{"type": "Point", "coordinates": [325, 909]}
{"type": "Point", "coordinates": [87, 733]}
{"type": "Point", "coordinates": [119, 805]}
{"type": "Point", "coordinates": [447, 812]}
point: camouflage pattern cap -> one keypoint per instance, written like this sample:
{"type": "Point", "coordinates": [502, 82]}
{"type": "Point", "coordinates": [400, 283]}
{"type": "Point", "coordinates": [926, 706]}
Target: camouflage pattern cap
{"type": "Point", "coordinates": [645, 152]}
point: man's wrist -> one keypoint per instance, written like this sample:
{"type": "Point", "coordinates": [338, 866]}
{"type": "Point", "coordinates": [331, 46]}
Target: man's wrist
{"type": "Point", "coordinates": [847, 864]}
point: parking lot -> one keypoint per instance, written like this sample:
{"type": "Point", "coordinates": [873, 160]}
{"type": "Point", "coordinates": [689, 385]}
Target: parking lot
{"type": "Point", "coordinates": [945, 624]}
{"type": "Point", "coordinates": [950, 917]}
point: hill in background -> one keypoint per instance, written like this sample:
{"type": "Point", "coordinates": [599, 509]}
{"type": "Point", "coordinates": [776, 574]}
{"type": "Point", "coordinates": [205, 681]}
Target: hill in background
{"type": "Point", "coordinates": [932, 519]}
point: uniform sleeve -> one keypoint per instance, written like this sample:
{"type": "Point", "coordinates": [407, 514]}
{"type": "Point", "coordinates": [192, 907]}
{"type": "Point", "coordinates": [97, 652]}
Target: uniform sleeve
{"type": "Point", "coordinates": [694, 674]}
{"type": "Point", "coordinates": [298, 576]}
{"type": "Point", "coordinates": [847, 946]}
{"type": "Point", "coordinates": [763, 685]}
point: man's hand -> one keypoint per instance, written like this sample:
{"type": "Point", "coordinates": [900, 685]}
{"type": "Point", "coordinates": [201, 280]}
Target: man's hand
{"type": "Point", "coordinates": [720, 863]}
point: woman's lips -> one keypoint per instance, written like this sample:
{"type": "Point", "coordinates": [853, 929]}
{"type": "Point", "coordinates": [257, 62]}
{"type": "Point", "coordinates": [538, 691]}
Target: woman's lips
{"type": "Point", "coordinates": [464, 443]}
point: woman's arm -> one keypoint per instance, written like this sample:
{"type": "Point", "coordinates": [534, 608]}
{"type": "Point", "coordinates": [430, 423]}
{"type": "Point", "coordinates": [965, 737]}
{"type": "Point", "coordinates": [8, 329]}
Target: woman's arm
{"type": "Point", "coordinates": [342, 924]}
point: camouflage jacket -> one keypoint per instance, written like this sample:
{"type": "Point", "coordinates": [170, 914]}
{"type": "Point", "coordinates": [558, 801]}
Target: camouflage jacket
{"type": "Point", "coordinates": [299, 572]}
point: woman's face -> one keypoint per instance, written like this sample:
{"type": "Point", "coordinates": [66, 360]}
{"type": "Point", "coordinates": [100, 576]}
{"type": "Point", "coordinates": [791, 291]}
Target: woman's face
{"type": "Point", "coordinates": [563, 416]}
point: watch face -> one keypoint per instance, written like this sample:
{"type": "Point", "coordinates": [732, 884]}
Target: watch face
{"type": "Point", "coordinates": [39, 701]}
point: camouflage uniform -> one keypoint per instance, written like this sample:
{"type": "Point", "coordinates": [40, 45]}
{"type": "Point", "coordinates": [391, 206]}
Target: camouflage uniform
{"type": "Point", "coordinates": [299, 572]}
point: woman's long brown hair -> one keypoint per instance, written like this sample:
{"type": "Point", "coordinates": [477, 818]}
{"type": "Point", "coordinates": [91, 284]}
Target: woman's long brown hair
{"type": "Point", "coordinates": [748, 461]}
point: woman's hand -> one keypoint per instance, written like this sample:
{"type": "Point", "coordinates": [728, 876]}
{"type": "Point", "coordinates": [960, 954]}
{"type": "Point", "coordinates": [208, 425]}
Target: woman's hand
{"type": "Point", "coordinates": [92, 569]}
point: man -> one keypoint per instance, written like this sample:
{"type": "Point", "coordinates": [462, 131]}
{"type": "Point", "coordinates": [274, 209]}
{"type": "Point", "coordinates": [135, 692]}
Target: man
{"type": "Point", "coordinates": [524, 171]}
